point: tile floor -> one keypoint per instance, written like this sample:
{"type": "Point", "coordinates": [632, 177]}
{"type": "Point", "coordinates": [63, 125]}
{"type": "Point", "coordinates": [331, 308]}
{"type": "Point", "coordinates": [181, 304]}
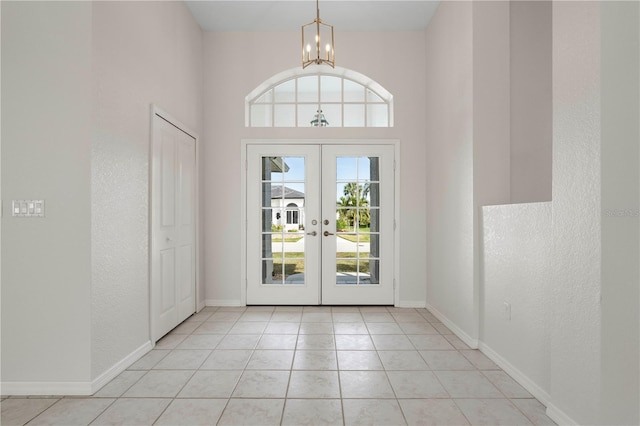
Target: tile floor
{"type": "Point", "coordinates": [297, 366]}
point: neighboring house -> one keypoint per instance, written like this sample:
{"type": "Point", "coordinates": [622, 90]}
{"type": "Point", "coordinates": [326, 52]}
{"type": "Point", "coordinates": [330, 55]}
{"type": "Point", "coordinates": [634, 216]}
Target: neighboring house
{"type": "Point", "coordinates": [288, 207]}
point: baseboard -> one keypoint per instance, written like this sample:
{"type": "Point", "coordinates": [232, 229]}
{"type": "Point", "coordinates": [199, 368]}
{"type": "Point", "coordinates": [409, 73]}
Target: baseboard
{"type": "Point", "coordinates": [470, 341]}
{"type": "Point", "coordinates": [559, 416]}
{"type": "Point", "coordinates": [201, 306]}
{"type": "Point", "coordinates": [45, 388]}
{"type": "Point", "coordinates": [410, 304]}
{"type": "Point", "coordinates": [119, 367]}
{"type": "Point", "coordinates": [223, 302]}
{"type": "Point", "coordinates": [531, 387]}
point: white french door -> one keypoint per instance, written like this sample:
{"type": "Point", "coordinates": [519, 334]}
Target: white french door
{"type": "Point", "coordinates": [320, 224]}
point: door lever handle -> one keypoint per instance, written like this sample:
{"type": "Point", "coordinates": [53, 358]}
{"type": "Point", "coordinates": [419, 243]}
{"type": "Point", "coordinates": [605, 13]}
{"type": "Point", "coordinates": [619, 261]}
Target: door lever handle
{"type": "Point", "coordinates": [312, 233]}
{"type": "Point", "coordinates": [327, 233]}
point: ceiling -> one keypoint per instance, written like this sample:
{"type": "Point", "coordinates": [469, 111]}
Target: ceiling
{"type": "Point", "coordinates": [344, 15]}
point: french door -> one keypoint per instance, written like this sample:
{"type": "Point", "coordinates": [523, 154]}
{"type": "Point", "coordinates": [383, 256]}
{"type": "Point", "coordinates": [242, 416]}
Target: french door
{"type": "Point", "coordinates": [320, 224]}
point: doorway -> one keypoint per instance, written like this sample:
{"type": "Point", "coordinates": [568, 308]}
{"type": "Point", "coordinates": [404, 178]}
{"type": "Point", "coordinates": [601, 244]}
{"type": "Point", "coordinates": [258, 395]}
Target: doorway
{"type": "Point", "coordinates": [320, 224]}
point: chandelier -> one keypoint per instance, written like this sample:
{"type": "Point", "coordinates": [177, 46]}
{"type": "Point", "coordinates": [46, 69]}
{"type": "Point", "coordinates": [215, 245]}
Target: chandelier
{"type": "Point", "coordinates": [319, 120]}
{"type": "Point", "coordinates": [317, 42]}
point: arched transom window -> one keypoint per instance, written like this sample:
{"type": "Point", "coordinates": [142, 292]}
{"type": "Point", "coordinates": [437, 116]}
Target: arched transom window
{"type": "Point", "coordinates": [296, 98]}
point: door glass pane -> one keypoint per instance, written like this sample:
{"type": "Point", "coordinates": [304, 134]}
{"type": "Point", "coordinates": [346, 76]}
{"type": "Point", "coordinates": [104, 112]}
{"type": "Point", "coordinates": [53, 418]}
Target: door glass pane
{"type": "Point", "coordinates": [346, 169]}
{"type": "Point", "coordinates": [346, 271]}
{"type": "Point", "coordinates": [356, 221]}
{"type": "Point", "coordinates": [294, 270]}
{"type": "Point", "coordinates": [364, 168]}
{"type": "Point", "coordinates": [283, 203]}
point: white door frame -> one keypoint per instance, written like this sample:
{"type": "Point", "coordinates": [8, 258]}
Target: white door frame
{"type": "Point", "coordinates": [157, 111]}
{"type": "Point", "coordinates": [243, 199]}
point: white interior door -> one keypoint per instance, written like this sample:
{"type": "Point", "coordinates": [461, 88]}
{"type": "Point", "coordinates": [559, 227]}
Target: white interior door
{"type": "Point", "coordinates": [173, 253]}
{"type": "Point", "coordinates": [320, 224]}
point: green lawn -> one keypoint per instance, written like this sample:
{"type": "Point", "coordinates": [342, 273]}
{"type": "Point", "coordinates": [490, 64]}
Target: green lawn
{"type": "Point", "coordinates": [277, 238]}
{"type": "Point", "coordinates": [346, 263]}
{"type": "Point", "coordinates": [363, 235]}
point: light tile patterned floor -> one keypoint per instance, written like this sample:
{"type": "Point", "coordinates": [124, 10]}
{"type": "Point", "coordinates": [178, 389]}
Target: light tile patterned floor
{"type": "Point", "coordinates": [295, 366]}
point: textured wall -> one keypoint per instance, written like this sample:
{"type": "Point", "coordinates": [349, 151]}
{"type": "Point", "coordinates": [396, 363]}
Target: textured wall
{"type": "Point", "coordinates": [46, 114]}
{"type": "Point", "coordinates": [517, 270]}
{"type": "Point", "coordinates": [575, 346]}
{"type": "Point", "coordinates": [236, 63]}
{"type": "Point", "coordinates": [144, 52]}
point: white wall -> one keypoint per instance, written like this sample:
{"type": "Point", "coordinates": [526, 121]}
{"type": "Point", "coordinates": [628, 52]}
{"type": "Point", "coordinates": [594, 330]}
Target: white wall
{"type": "Point", "coordinates": [78, 80]}
{"type": "Point", "coordinates": [531, 114]}
{"type": "Point", "coordinates": [491, 124]}
{"type": "Point", "coordinates": [449, 164]}
{"type": "Point", "coordinates": [516, 270]}
{"type": "Point", "coordinates": [620, 209]}
{"type": "Point", "coordinates": [46, 275]}
{"type": "Point", "coordinates": [468, 150]}
{"type": "Point", "coordinates": [144, 52]}
{"type": "Point", "coordinates": [236, 63]}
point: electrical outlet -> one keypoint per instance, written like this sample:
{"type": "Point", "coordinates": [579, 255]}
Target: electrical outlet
{"type": "Point", "coordinates": [506, 311]}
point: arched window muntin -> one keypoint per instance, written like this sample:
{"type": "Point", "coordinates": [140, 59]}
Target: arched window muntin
{"type": "Point", "coordinates": [293, 97]}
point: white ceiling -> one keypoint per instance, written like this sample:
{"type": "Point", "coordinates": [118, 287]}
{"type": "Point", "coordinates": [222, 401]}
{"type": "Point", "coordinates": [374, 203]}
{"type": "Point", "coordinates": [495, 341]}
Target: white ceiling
{"type": "Point", "coordinates": [344, 15]}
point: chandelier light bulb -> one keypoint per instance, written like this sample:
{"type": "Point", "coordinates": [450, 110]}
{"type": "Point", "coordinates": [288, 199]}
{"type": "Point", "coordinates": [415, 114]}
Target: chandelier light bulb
{"type": "Point", "coordinates": [322, 34]}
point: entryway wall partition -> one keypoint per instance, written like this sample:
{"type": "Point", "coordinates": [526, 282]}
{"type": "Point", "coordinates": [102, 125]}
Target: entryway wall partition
{"type": "Point", "coordinates": [342, 251]}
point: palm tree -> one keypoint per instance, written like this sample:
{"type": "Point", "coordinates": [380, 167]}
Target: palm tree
{"type": "Point", "coordinates": [353, 205]}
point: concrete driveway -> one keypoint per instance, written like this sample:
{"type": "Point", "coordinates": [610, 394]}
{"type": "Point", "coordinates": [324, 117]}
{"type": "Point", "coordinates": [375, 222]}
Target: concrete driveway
{"type": "Point", "coordinates": [342, 245]}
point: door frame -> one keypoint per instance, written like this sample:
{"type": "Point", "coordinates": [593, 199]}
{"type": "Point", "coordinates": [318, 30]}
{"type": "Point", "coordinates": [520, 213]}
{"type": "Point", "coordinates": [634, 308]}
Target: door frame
{"type": "Point", "coordinates": [156, 111]}
{"type": "Point", "coordinates": [243, 200]}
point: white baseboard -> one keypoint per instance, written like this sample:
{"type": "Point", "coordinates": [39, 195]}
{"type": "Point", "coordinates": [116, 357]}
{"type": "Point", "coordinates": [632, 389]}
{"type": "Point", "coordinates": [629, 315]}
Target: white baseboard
{"type": "Point", "coordinates": [531, 387]}
{"type": "Point", "coordinates": [201, 306]}
{"type": "Point", "coordinates": [45, 388]}
{"type": "Point", "coordinates": [559, 416]}
{"type": "Point", "coordinates": [541, 395]}
{"type": "Point", "coordinates": [470, 341]}
{"type": "Point", "coordinates": [119, 367]}
{"type": "Point", "coordinates": [223, 302]}
{"type": "Point", "coordinates": [74, 388]}
{"type": "Point", "coordinates": [410, 304]}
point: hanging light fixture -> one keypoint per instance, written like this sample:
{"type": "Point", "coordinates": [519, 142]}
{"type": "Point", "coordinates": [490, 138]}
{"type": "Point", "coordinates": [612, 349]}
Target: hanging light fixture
{"type": "Point", "coordinates": [317, 42]}
{"type": "Point", "coordinates": [319, 120]}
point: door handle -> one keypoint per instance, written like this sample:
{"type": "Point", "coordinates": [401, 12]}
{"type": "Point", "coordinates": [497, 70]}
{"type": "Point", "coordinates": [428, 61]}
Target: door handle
{"type": "Point", "coordinates": [312, 233]}
{"type": "Point", "coordinates": [327, 233]}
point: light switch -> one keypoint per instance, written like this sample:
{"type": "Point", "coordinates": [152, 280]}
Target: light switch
{"type": "Point", "coordinates": [27, 208]}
